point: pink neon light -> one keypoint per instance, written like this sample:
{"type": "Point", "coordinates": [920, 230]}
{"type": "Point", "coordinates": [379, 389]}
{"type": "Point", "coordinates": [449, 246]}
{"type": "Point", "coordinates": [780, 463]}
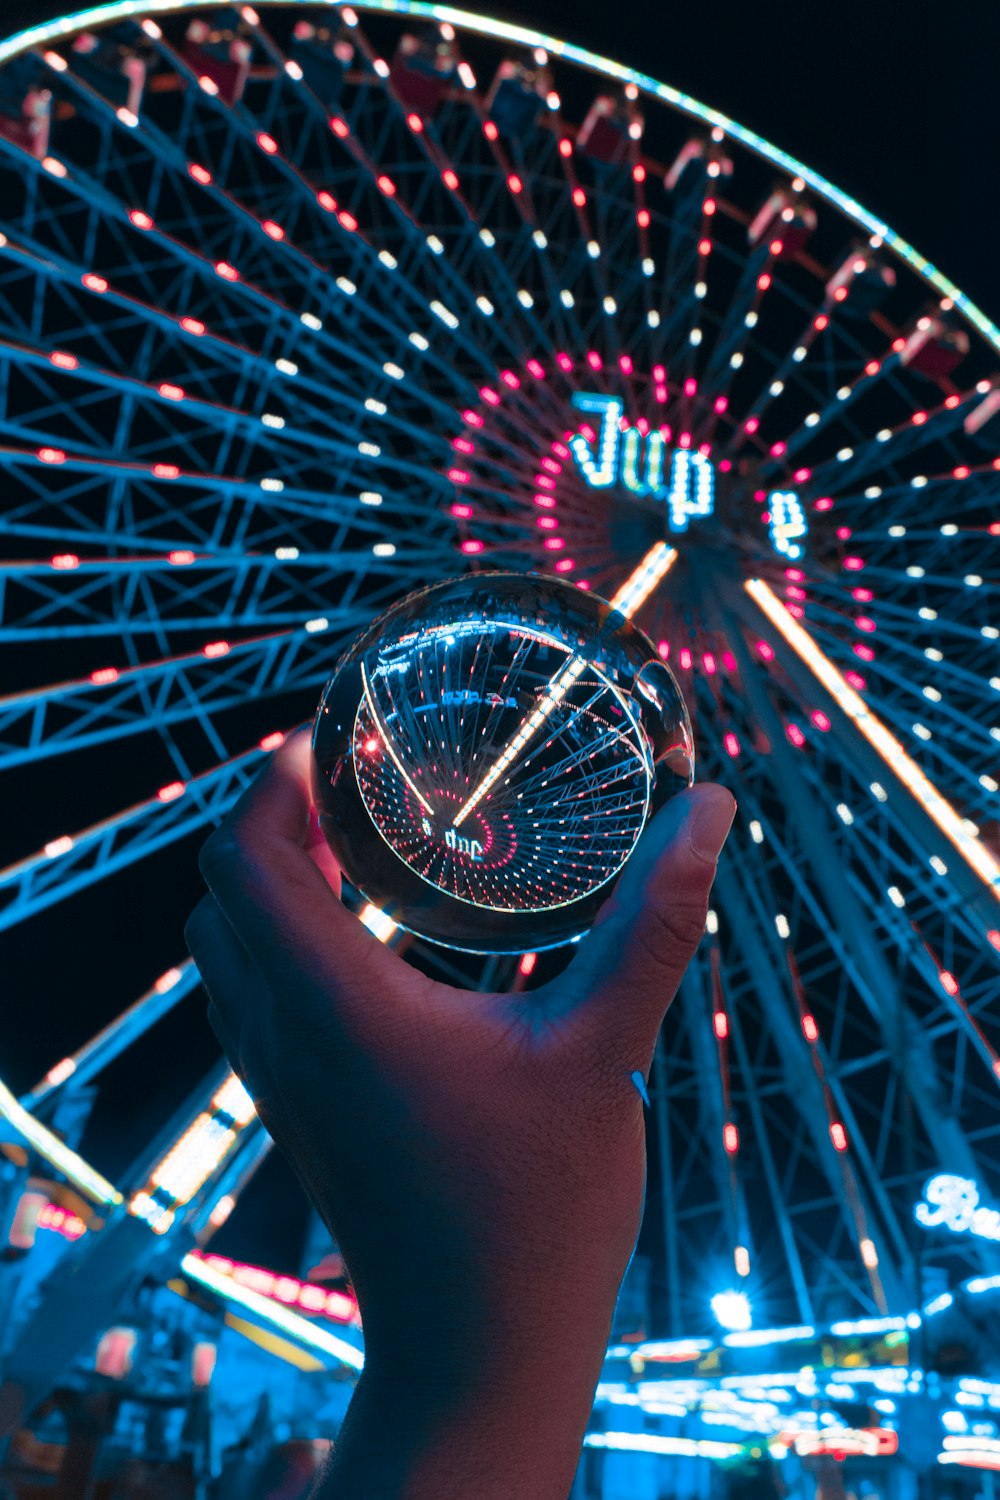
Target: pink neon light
{"type": "Point", "coordinates": [547, 523]}
{"type": "Point", "coordinates": [490, 130]}
{"type": "Point", "coordinates": [139, 219]}
{"type": "Point", "coordinates": [514, 182]}
{"type": "Point", "coordinates": [824, 503]}
{"type": "Point", "coordinates": [708, 662]}
{"type": "Point", "coordinates": [166, 471]}
{"type": "Point", "coordinates": [311, 1297]}
{"type": "Point", "coordinates": [708, 207]}
{"type": "Point", "coordinates": [864, 622]}
{"type": "Point", "coordinates": [962, 472]}
{"type": "Point", "coordinates": [732, 744]}
{"type": "Point", "coordinates": [193, 325]}
{"type": "Point", "coordinates": [171, 792]}
{"type": "Point", "coordinates": [459, 476]}
{"type": "Point", "coordinates": [729, 661]}
{"type": "Point", "coordinates": [763, 281]}
{"type": "Point", "coordinates": [536, 369]}
{"type": "Point", "coordinates": [872, 367]}
{"type": "Point", "coordinates": [565, 565]}
{"type": "Point", "coordinates": [216, 648]}
{"type": "Point", "coordinates": [663, 648]}
{"type": "Point", "coordinates": [579, 197]}
{"type": "Point", "coordinates": [473, 418]}
{"type": "Point", "coordinates": [180, 559]}
{"type": "Point", "coordinates": [491, 396]}
{"type": "Point", "coordinates": [865, 652]}
{"type": "Point", "coordinates": [52, 455]}
{"type": "Point", "coordinates": [856, 681]}
{"type": "Point", "coordinates": [472, 546]}
{"type": "Point", "coordinates": [564, 362]}
{"type": "Point", "coordinates": [793, 609]}
{"type": "Point", "coordinates": [690, 386]}
{"type": "Point", "coordinates": [560, 450]}
{"type": "Point", "coordinates": [347, 221]}
{"type": "Point", "coordinates": [65, 561]}
{"type": "Point", "coordinates": [685, 658]}
{"type": "Point", "coordinates": [795, 734]}
{"type": "Point", "coordinates": [339, 127]}
{"type": "Point", "coordinates": [625, 363]}
{"type": "Point", "coordinates": [751, 424]}
{"type": "Point", "coordinates": [765, 650]}
{"type": "Point", "coordinates": [95, 283]}
{"type": "Point", "coordinates": [104, 675]}
{"type": "Point", "coordinates": [704, 247]}
{"type": "Point", "coordinates": [594, 360]}
{"type": "Point", "coordinates": [554, 544]}
{"type": "Point", "coordinates": [801, 475]}
{"type": "Point", "coordinates": [809, 1028]}
{"type": "Point", "coordinates": [267, 143]}
{"type": "Point", "coordinates": [415, 123]}
{"type": "Point", "coordinates": [639, 172]}
{"type": "Point", "coordinates": [463, 444]}
{"type": "Point", "coordinates": [731, 1139]}
{"type": "Point", "coordinates": [777, 449]}
{"type": "Point", "coordinates": [720, 1025]}
{"type": "Point", "coordinates": [565, 147]}
{"type": "Point", "coordinates": [199, 173]}
{"type": "Point", "coordinates": [272, 230]}
{"type": "Point", "coordinates": [328, 201]}
{"type": "Point", "coordinates": [838, 1136]}
{"type": "Point", "coordinates": [463, 512]}
{"type": "Point", "coordinates": [272, 741]}
{"type": "Point", "coordinates": [226, 271]}
{"type": "Point", "coordinates": [450, 179]}
{"type": "Point", "coordinates": [720, 404]}
{"type": "Point", "coordinates": [844, 533]}
{"type": "Point", "coordinates": [386, 185]}
{"type": "Point", "coordinates": [660, 392]}
{"type": "Point", "coordinates": [948, 982]}
{"type": "Point", "coordinates": [854, 564]}
{"type": "Point", "coordinates": [509, 378]}
{"type": "Point", "coordinates": [795, 574]}
{"type": "Point", "coordinates": [642, 218]}
{"type": "Point", "coordinates": [820, 720]}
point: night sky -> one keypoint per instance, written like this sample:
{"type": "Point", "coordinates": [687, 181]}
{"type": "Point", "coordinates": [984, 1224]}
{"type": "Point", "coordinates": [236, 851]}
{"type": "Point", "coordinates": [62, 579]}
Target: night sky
{"type": "Point", "coordinates": [895, 102]}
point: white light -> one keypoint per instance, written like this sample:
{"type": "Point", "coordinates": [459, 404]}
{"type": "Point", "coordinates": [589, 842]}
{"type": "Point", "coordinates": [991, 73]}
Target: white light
{"type": "Point", "coordinates": [756, 832]}
{"type": "Point", "coordinates": [694, 337]}
{"type": "Point", "coordinates": [370, 497]}
{"type": "Point", "coordinates": [972, 580]}
{"type": "Point", "coordinates": [286, 366]}
{"type": "Point", "coordinates": [918, 481]}
{"type": "Point", "coordinates": [776, 387]}
{"type": "Point", "coordinates": [781, 923]}
{"type": "Point", "coordinates": [384, 549]}
{"type": "Point", "coordinates": [377, 922]}
{"type": "Point", "coordinates": [593, 249]}
{"type": "Point", "coordinates": [737, 360]}
{"type": "Point", "coordinates": [538, 236]}
{"type": "Point", "coordinates": [346, 286]}
{"type": "Point", "coordinates": [922, 732]}
{"type": "Point", "coordinates": [273, 485]}
{"type": "Point", "coordinates": [419, 342]}
{"type": "Point", "coordinates": [648, 266]}
{"type": "Point", "coordinates": [884, 435]}
{"type": "Point", "coordinates": [896, 896]}
{"type": "Point", "coordinates": [653, 318]}
{"type": "Point", "coordinates": [812, 419]}
{"type": "Point", "coordinates": [610, 305]}
{"type": "Point", "coordinates": [893, 530]}
{"type": "Point", "coordinates": [989, 783]}
{"type": "Point", "coordinates": [378, 407]}
{"type": "Point", "coordinates": [872, 493]}
{"type": "Point", "coordinates": [938, 865]}
{"type": "Point", "coordinates": [927, 614]}
{"type": "Point", "coordinates": [844, 813]}
{"type": "Point", "coordinates": [488, 238]}
{"type": "Point", "coordinates": [750, 320]}
{"type": "Point", "coordinates": [799, 354]}
{"type": "Point", "coordinates": [700, 289]}
{"type": "Point", "coordinates": [732, 1310]}
{"type": "Point", "coordinates": [311, 321]}
{"type": "Point", "coordinates": [286, 554]}
{"type": "Point", "coordinates": [949, 529]}
{"type": "Point", "coordinates": [566, 297]}
{"type": "Point", "coordinates": [524, 297]}
{"type": "Point", "coordinates": [393, 370]}
{"type": "Point", "coordinates": [444, 313]}
{"type": "Point", "coordinates": [914, 572]}
{"type": "Point", "coordinates": [932, 693]}
{"type": "Point", "coordinates": [843, 393]}
{"type": "Point", "coordinates": [712, 921]}
{"type": "Point", "coordinates": [269, 419]}
{"type": "Point", "coordinates": [314, 626]}
{"type": "Point", "coordinates": [878, 791]}
{"type": "Point", "coordinates": [844, 454]}
{"type": "Point", "coordinates": [485, 305]}
{"type": "Point", "coordinates": [434, 245]}
{"type": "Point", "coordinates": [370, 450]}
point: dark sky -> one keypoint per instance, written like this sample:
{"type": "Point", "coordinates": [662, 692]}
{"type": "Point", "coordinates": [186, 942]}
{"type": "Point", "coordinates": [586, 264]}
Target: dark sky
{"type": "Point", "coordinates": [892, 100]}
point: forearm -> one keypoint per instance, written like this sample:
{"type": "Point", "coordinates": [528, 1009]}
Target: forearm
{"type": "Point", "coordinates": [517, 1436]}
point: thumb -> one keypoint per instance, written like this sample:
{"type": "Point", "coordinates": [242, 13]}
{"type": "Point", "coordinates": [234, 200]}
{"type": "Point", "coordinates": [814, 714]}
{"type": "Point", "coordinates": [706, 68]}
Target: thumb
{"type": "Point", "coordinates": [630, 965]}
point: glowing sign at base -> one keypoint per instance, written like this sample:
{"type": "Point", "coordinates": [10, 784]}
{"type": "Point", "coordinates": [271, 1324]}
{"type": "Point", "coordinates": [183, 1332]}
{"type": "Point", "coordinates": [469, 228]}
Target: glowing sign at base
{"type": "Point", "coordinates": [622, 455]}
{"type": "Point", "coordinates": [953, 1203]}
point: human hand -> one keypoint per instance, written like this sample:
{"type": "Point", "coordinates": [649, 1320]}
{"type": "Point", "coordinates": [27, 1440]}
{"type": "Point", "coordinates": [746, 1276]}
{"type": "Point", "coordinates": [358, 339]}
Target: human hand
{"type": "Point", "coordinates": [480, 1158]}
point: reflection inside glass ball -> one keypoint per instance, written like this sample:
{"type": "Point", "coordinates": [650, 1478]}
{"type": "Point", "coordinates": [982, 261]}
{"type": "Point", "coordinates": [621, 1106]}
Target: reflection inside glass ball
{"type": "Point", "coordinates": [487, 754]}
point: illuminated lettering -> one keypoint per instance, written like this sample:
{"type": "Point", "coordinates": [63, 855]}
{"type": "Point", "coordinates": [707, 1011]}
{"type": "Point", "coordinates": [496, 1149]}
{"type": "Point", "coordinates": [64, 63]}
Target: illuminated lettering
{"type": "Point", "coordinates": [471, 848]}
{"type": "Point", "coordinates": [953, 1203]}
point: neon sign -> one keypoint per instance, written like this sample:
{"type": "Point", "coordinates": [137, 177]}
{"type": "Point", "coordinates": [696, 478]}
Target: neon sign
{"type": "Point", "coordinates": [622, 455]}
{"type": "Point", "coordinates": [953, 1203]}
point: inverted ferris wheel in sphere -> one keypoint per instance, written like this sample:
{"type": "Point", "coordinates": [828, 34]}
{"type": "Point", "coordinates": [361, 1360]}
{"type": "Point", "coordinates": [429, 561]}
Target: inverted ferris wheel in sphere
{"type": "Point", "coordinates": [304, 307]}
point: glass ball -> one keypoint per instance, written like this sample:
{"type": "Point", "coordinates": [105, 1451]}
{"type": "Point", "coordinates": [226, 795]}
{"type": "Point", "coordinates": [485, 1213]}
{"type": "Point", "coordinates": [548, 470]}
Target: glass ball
{"type": "Point", "coordinates": [487, 753]}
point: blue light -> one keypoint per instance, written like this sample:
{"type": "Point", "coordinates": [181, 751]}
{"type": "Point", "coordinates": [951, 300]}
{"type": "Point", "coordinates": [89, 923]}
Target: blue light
{"type": "Point", "coordinates": [732, 1309]}
{"type": "Point", "coordinates": [953, 1203]}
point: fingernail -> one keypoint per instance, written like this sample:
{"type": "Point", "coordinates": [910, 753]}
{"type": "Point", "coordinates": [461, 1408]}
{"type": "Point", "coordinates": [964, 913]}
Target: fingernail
{"type": "Point", "coordinates": [712, 820]}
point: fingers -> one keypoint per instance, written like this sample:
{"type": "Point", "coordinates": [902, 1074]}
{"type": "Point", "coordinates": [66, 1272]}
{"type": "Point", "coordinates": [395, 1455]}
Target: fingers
{"type": "Point", "coordinates": [629, 967]}
{"type": "Point", "coordinates": [265, 869]}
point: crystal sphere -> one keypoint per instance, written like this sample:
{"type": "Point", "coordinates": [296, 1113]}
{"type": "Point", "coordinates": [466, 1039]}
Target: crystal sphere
{"type": "Point", "coordinates": [487, 753]}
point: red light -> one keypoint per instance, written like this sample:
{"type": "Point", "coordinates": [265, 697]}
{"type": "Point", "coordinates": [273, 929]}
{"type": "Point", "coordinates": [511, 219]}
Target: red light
{"type": "Point", "coordinates": [810, 1029]}
{"type": "Point", "coordinates": [459, 476]}
{"type": "Point", "coordinates": [328, 201]}
{"type": "Point", "coordinates": [171, 792]}
{"type": "Point", "coordinates": [776, 247]}
{"type": "Point", "coordinates": [639, 172]}
{"type": "Point", "coordinates": [52, 455]}
{"type": "Point", "coordinates": [732, 744]}
{"type": "Point", "coordinates": [795, 734]}
{"type": "Point", "coordinates": [63, 562]}
{"type": "Point", "coordinates": [103, 676]}
{"type": "Point", "coordinates": [415, 123]}
{"type": "Point", "coordinates": [347, 221]}
{"type": "Point", "coordinates": [856, 681]}
{"type": "Point", "coordinates": [690, 386]}
{"type": "Point", "coordinates": [764, 281]}
{"type": "Point", "coordinates": [272, 230]}
{"type": "Point", "coordinates": [864, 622]}
{"type": "Point", "coordinates": [708, 207]}
{"type": "Point", "coordinates": [64, 361]}
{"type": "Point", "coordinates": [708, 662]}
{"type": "Point", "coordinates": [961, 472]}
{"type": "Point", "coordinates": [777, 449]}
{"type": "Point", "coordinates": [339, 127]}
{"type": "Point", "coordinates": [729, 661]}
{"type": "Point", "coordinates": [579, 197]}
{"type": "Point", "coordinates": [171, 392]}
{"type": "Point", "coordinates": [821, 322]}
{"type": "Point", "coordinates": [840, 295]}
{"type": "Point", "coordinates": [565, 147]}
{"type": "Point", "coordinates": [536, 369]}
{"type": "Point", "coordinates": [820, 720]}
{"type": "Point", "coordinates": [215, 648]}
{"type": "Point", "coordinates": [180, 559]}
{"type": "Point", "coordinates": [565, 565]}
{"type": "Point", "coordinates": [450, 179]}
{"type": "Point", "coordinates": [514, 182]}
{"type": "Point", "coordinates": [642, 218]}
{"type": "Point", "coordinates": [267, 143]}
{"type": "Point", "coordinates": [993, 936]}
{"type": "Point", "coordinates": [371, 745]}
{"type": "Point", "coordinates": [872, 367]}
{"type": "Point", "coordinates": [490, 130]}
{"type": "Point", "coordinates": [472, 546]}
{"type": "Point", "coordinates": [720, 1025]}
{"type": "Point", "coordinates": [490, 396]}
{"type": "Point", "coordinates": [854, 564]}
{"type": "Point", "coordinates": [594, 360]}
{"type": "Point", "coordinates": [919, 418]}
{"type": "Point", "coordinates": [463, 512]}
{"type": "Point", "coordinates": [864, 652]}
{"type": "Point", "coordinates": [554, 544]}
{"type": "Point", "coordinates": [704, 247]}
{"type": "Point", "coordinates": [685, 658]}
{"type": "Point", "coordinates": [386, 185]}
{"type": "Point", "coordinates": [564, 362]}
{"type": "Point", "coordinates": [948, 982]}
{"type": "Point", "coordinates": [200, 174]}
{"type": "Point", "coordinates": [838, 1136]}
{"type": "Point", "coordinates": [765, 651]}
{"type": "Point", "coordinates": [272, 741]}
{"type": "Point", "coordinates": [192, 325]}
{"type": "Point", "coordinates": [95, 283]}
{"type": "Point", "coordinates": [527, 964]}
{"type": "Point", "coordinates": [751, 424]}
{"type": "Point", "coordinates": [473, 418]}
{"type": "Point", "coordinates": [166, 471]}
{"type": "Point", "coordinates": [731, 1139]}
{"type": "Point", "coordinates": [139, 219]}
{"type": "Point", "coordinates": [226, 271]}
{"type": "Point", "coordinates": [509, 378]}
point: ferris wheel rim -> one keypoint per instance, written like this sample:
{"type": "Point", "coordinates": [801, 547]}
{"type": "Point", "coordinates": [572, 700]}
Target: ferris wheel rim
{"type": "Point", "coordinates": [121, 10]}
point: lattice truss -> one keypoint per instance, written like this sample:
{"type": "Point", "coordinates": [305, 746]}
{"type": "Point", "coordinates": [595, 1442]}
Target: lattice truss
{"type": "Point", "coordinates": [294, 307]}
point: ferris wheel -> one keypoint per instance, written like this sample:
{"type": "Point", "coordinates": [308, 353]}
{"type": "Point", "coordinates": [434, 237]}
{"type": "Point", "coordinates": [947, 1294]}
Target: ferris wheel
{"type": "Point", "coordinates": [304, 307]}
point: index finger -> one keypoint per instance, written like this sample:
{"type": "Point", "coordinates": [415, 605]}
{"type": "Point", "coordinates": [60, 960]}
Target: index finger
{"type": "Point", "coordinates": [258, 867]}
